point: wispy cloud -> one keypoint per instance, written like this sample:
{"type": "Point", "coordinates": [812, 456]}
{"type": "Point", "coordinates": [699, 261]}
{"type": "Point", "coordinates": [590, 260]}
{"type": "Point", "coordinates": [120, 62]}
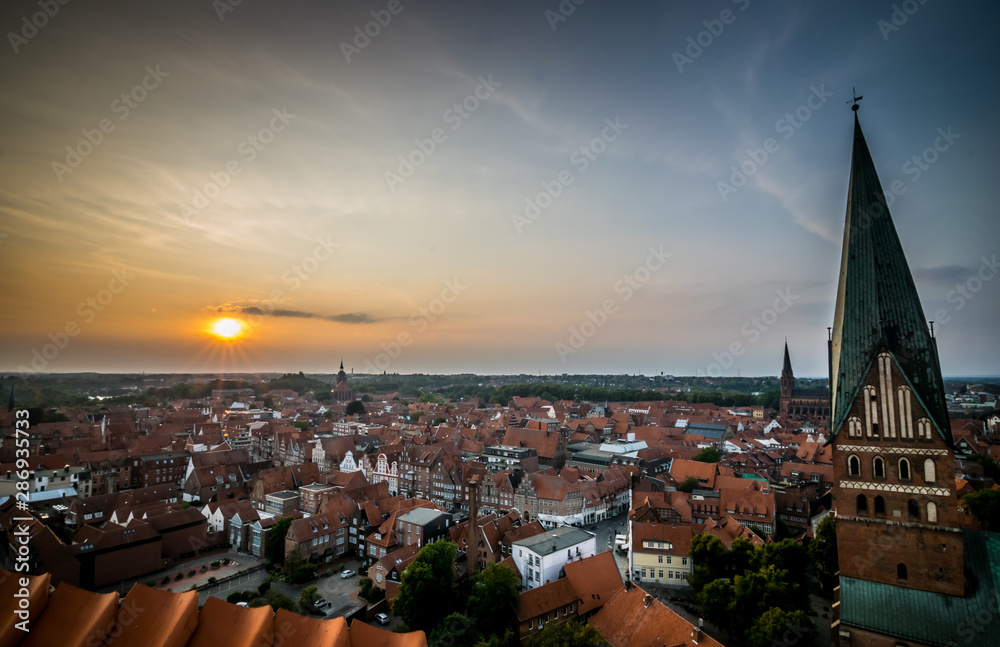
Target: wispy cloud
{"type": "Point", "coordinates": [347, 317]}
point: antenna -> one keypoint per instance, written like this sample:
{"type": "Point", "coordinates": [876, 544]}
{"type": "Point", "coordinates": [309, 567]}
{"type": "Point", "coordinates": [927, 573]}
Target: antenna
{"type": "Point", "coordinates": [855, 99]}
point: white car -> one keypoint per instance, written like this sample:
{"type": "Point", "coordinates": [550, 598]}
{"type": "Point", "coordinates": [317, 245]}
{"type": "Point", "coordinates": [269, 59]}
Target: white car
{"type": "Point", "coordinates": [320, 603]}
{"type": "Point", "coordinates": [382, 618]}
{"type": "Point", "coordinates": [346, 574]}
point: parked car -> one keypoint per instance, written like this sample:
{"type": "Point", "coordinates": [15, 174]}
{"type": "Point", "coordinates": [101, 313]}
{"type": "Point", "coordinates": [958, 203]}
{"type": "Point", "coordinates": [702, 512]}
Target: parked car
{"type": "Point", "coordinates": [382, 618]}
{"type": "Point", "coordinates": [347, 573]}
{"type": "Point", "coordinates": [320, 603]}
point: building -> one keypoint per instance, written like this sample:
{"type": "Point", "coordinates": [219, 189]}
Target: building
{"type": "Point", "coordinates": [633, 618]}
{"type": "Point", "coordinates": [812, 404]}
{"type": "Point", "coordinates": [898, 533]}
{"type": "Point", "coordinates": [503, 457]}
{"type": "Point", "coordinates": [541, 558]}
{"type": "Point", "coordinates": [281, 504]}
{"type": "Point", "coordinates": [660, 553]}
{"type": "Point", "coordinates": [43, 484]}
{"type": "Point", "coordinates": [341, 391]}
{"type": "Point", "coordinates": [422, 526]}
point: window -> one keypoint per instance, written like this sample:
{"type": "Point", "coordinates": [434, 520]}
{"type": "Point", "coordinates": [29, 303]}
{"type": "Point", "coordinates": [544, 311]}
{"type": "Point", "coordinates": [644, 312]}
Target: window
{"type": "Point", "coordinates": [643, 573]}
{"type": "Point", "coordinates": [659, 559]}
{"type": "Point", "coordinates": [879, 505]}
{"type": "Point", "coordinates": [862, 504]}
{"type": "Point", "coordinates": [854, 466]}
{"type": "Point", "coordinates": [931, 512]}
{"type": "Point", "coordinates": [901, 572]}
{"type": "Point", "coordinates": [904, 469]}
{"type": "Point", "coordinates": [684, 561]}
{"type": "Point", "coordinates": [878, 465]}
{"type": "Point", "coordinates": [913, 510]}
{"type": "Point", "coordinates": [929, 471]}
{"type": "Point", "coordinates": [661, 574]}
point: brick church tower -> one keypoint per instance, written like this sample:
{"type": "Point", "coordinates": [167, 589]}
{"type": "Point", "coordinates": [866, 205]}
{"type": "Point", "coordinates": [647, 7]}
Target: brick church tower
{"type": "Point", "coordinates": [897, 510]}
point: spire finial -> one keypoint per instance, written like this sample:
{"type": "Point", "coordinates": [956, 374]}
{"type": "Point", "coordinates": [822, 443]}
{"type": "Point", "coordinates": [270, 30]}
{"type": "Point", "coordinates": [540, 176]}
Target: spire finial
{"type": "Point", "coordinates": [855, 99]}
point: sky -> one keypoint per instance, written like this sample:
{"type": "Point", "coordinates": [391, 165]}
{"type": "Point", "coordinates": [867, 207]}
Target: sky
{"type": "Point", "coordinates": [486, 187]}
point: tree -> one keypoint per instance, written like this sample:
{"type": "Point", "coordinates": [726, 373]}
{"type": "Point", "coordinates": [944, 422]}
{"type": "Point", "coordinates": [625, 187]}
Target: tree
{"type": "Point", "coordinates": [440, 421]}
{"type": "Point", "coordinates": [715, 599]}
{"type": "Point", "coordinates": [293, 561]}
{"type": "Point", "coordinates": [308, 596]}
{"type": "Point", "coordinates": [275, 549]}
{"type": "Point", "coordinates": [302, 425]}
{"type": "Point", "coordinates": [709, 455]}
{"type": "Point", "coordinates": [709, 557]}
{"type": "Point", "coordinates": [823, 547]}
{"type": "Point", "coordinates": [985, 507]}
{"type": "Point", "coordinates": [275, 600]}
{"type": "Point", "coordinates": [689, 484]}
{"type": "Point", "coordinates": [491, 601]}
{"type": "Point", "coordinates": [791, 558]}
{"type": "Point", "coordinates": [742, 557]}
{"type": "Point", "coordinates": [456, 630]}
{"type": "Point", "coordinates": [779, 627]}
{"type": "Point", "coordinates": [427, 591]}
{"type": "Point", "coordinates": [567, 634]}
{"type": "Point", "coordinates": [355, 408]}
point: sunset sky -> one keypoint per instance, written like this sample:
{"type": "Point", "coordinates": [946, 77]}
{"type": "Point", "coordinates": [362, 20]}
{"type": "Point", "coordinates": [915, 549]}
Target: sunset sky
{"type": "Point", "coordinates": [163, 165]}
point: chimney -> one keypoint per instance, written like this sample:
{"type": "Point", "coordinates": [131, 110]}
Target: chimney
{"type": "Point", "coordinates": [647, 601]}
{"type": "Point", "coordinates": [472, 532]}
{"type": "Point", "coordinates": [696, 635]}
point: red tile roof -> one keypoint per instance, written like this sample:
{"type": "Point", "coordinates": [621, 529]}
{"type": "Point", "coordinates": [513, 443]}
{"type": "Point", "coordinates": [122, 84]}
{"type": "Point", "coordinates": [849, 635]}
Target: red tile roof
{"type": "Point", "coordinates": [634, 619]}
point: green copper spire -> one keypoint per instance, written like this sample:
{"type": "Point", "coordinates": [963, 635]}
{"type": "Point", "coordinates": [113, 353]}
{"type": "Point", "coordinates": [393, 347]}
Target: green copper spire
{"type": "Point", "coordinates": [877, 302]}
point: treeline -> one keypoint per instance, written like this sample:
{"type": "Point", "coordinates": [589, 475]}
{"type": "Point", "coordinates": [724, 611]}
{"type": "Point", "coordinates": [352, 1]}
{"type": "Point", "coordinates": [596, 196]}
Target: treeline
{"type": "Point", "coordinates": [553, 392]}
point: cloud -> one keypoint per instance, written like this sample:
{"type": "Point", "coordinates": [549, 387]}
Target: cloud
{"type": "Point", "coordinates": [943, 274]}
{"type": "Point", "coordinates": [347, 317]}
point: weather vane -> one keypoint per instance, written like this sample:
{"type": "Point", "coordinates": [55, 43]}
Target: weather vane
{"type": "Point", "coordinates": [855, 99]}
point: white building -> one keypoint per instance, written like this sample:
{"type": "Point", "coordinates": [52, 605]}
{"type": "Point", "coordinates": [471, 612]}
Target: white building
{"type": "Point", "coordinates": [540, 559]}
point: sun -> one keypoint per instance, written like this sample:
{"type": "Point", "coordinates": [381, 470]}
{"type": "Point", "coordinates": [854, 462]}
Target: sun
{"type": "Point", "coordinates": [228, 328]}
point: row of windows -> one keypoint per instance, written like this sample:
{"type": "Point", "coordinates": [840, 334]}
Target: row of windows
{"type": "Point", "coordinates": [912, 508]}
{"type": "Point", "coordinates": [658, 574]}
{"type": "Point", "coordinates": [878, 468]}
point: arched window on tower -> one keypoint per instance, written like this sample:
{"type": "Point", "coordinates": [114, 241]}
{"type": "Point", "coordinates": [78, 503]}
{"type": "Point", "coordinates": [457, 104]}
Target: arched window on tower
{"type": "Point", "coordinates": [862, 504]}
{"type": "Point", "coordinates": [901, 572]}
{"type": "Point", "coordinates": [931, 512]}
{"type": "Point", "coordinates": [904, 469]}
{"type": "Point", "coordinates": [853, 466]}
{"type": "Point", "coordinates": [913, 510]}
{"type": "Point", "coordinates": [878, 466]}
{"type": "Point", "coordinates": [930, 473]}
{"type": "Point", "coordinates": [879, 505]}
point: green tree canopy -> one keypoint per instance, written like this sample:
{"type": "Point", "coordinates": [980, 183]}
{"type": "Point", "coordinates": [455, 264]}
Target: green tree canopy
{"type": "Point", "coordinates": [275, 548]}
{"type": "Point", "coordinates": [709, 455]}
{"type": "Point", "coordinates": [689, 484]}
{"type": "Point", "coordinates": [823, 547]}
{"type": "Point", "coordinates": [355, 408]}
{"type": "Point", "coordinates": [491, 601]}
{"type": "Point", "coordinates": [275, 600]}
{"type": "Point", "coordinates": [710, 559]}
{"type": "Point", "coordinates": [308, 595]}
{"type": "Point", "coordinates": [985, 507]}
{"type": "Point", "coordinates": [427, 592]}
{"type": "Point", "coordinates": [778, 627]}
{"type": "Point", "coordinates": [456, 630]}
{"type": "Point", "coordinates": [567, 634]}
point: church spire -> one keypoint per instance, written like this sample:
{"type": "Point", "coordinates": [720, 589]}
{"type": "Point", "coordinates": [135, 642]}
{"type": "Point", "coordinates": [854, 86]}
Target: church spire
{"type": "Point", "coordinates": [877, 302]}
{"type": "Point", "coordinates": [787, 368]}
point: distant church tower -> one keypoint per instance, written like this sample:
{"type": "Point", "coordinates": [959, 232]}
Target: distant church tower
{"type": "Point", "coordinates": [341, 391]}
{"type": "Point", "coordinates": [787, 381]}
{"type": "Point", "coordinates": [898, 538]}
{"type": "Point", "coordinates": [811, 404]}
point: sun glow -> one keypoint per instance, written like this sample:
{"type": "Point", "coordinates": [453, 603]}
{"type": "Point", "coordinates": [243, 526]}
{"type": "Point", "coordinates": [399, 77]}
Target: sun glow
{"type": "Point", "coordinates": [228, 328]}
